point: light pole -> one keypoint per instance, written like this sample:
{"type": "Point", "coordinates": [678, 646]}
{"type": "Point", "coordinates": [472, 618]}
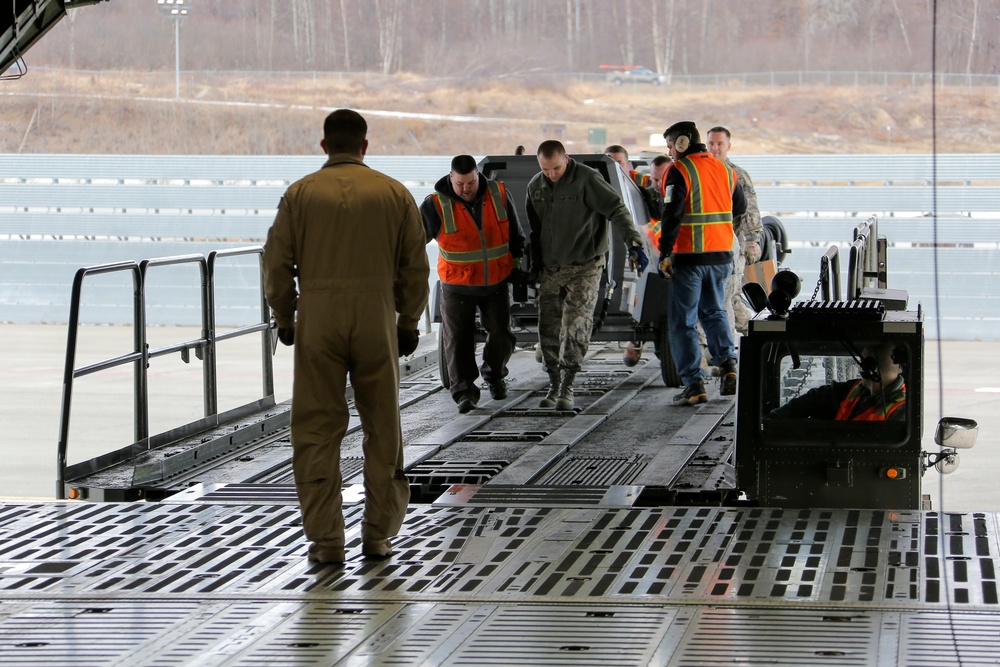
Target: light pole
{"type": "Point", "coordinates": [176, 9]}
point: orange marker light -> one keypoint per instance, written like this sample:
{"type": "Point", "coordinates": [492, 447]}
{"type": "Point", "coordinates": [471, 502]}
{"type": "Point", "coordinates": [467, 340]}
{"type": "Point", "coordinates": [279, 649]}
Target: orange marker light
{"type": "Point", "coordinates": [892, 473]}
{"type": "Point", "coordinates": [74, 494]}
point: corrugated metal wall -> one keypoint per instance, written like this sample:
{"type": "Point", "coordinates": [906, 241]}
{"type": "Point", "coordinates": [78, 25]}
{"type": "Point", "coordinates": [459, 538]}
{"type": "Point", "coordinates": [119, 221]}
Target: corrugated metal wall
{"type": "Point", "coordinates": [61, 212]}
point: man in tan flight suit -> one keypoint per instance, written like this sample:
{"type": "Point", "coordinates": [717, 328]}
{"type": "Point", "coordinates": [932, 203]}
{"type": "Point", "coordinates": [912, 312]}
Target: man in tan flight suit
{"type": "Point", "coordinates": [354, 240]}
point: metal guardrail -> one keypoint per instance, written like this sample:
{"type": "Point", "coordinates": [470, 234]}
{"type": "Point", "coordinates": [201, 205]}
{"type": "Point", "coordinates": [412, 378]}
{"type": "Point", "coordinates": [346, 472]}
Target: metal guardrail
{"type": "Point", "coordinates": [204, 347]}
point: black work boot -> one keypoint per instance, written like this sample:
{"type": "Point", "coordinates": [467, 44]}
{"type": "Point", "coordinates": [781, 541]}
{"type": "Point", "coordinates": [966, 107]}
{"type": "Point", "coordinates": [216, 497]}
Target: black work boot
{"type": "Point", "coordinates": [550, 398]}
{"type": "Point", "coordinates": [693, 394]}
{"type": "Point", "coordinates": [727, 377]}
{"type": "Point", "coordinates": [498, 389]}
{"type": "Point", "coordinates": [564, 399]}
{"type": "Point", "coordinates": [467, 403]}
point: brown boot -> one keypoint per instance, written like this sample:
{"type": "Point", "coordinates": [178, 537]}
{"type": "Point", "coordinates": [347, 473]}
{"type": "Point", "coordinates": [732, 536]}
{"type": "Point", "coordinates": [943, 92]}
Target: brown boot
{"type": "Point", "coordinates": [564, 399]}
{"type": "Point", "coordinates": [550, 398]}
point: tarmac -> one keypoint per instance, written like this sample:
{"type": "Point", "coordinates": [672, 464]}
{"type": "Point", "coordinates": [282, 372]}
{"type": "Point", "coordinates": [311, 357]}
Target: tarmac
{"type": "Point", "coordinates": [960, 381]}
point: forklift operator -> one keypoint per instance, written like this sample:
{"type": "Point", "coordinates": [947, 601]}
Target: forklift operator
{"type": "Point", "coordinates": [878, 395]}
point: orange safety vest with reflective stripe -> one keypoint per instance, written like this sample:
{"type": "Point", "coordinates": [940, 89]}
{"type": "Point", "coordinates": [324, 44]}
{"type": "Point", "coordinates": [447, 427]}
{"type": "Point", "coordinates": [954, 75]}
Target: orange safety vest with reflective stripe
{"type": "Point", "coordinates": [652, 227]}
{"type": "Point", "coordinates": [639, 178]}
{"type": "Point", "coordinates": [707, 225]}
{"type": "Point", "coordinates": [468, 255]}
{"type": "Point", "coordinates": [876, 413]}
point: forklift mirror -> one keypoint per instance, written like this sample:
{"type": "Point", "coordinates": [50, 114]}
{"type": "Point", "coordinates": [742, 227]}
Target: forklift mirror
{"type": "Point", "coordinates": [956, 432]}
{"type": "Point", "coordinates": [755, 294]}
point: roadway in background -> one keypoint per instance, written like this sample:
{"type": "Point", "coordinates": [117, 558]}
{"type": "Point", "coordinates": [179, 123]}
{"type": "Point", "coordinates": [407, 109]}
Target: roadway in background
{"type": "Point", "coordinates": [32, 359]}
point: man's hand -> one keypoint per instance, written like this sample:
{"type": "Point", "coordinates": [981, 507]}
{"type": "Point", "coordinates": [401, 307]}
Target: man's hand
{"type": "Point", "coordinates": [637, 258]}
{"type": "Point", "coordinates": [407, 339]}
{"type": "Point", "coordinates": [666, 267]}
{"type": "Point", "coordinates": [751, 251]}
{"type": "Point", "coordinates": [286, 336]}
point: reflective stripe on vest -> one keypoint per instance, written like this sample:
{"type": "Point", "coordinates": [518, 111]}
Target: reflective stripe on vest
{"type": "Point", "coordinates": [704, 230]}
{"type": "Point", "coordinates": [473, 255]}
{"type": "Point", "coordinates": [872, 414]}
{"type": "Point", "coordinates": [653, 231]}
{"type": "Point", "coordinates": [448, 215]}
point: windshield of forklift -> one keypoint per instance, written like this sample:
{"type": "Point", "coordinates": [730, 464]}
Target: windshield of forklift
{"type": "Point", "coordinates": [835, 390]}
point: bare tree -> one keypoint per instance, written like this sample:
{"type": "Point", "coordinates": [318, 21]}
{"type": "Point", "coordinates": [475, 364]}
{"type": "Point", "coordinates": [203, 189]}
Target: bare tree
{"type": "Point", "coordinates": [902, 27]}
{"type": "Point", "coordinates": [675, 36]}
{"type": "Point", "coordinates": [973, 34]}
{"type": "Point", "coordinates": [303, 37]}
{"type": "Point", "coordinates": [662, 34]}
{"type": "Point", "coordinates": [389, 14]}
{"type": "Point", "coordinates": [572, 31]}
{"type": "Point", "coordinates": [270, 34]}
{"type": "Point", "coordinates": [344, 24]}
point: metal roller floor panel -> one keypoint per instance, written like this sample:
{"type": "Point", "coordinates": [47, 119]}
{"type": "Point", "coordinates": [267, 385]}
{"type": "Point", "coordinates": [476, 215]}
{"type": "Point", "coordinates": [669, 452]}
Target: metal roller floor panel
{"type": "Point", "coordinates": [536, 537]}
{"type": "Point", "coordinates": [201, 580]}
{"type": "Point", "coordinates": [258, 449]}
{"type": "Point", "coordinates": [252, 447]}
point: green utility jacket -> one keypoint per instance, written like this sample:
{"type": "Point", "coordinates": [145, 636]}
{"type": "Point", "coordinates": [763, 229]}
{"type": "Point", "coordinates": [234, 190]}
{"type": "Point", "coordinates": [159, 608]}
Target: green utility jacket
{"type": "Point", "coordinates": [568, 218]}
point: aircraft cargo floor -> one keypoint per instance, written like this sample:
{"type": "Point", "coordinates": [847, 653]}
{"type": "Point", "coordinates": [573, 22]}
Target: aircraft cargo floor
{"type": "Point", "coordinates": [218, 576]}
{"type": "Point", "coordinates": [531, 540]}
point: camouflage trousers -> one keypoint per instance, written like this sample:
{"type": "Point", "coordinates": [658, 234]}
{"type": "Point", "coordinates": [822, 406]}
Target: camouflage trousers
{"type": "Point", "coordinates": [736, 309]}
{"type": "Point", "coordinates": [567, 296]}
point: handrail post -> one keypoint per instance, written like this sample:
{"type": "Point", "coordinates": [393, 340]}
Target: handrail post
{"type": "Point", "coordinates": [209, 379]}
{"type": "Point", "coordinates": [267, 365]}
{"type": "Point", "coordinates": [267, 360]}
{"type": "Point", "coordinates": [140, 374]}
{"type": "Point", "coordinates": [208, 372]}
{"type": "Point", "coordinates": [69, 369]}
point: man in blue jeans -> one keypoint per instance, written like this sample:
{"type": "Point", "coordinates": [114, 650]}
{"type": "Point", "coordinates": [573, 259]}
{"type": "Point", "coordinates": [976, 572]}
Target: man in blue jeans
{"type": "Point", "coordinates": [702, 195]}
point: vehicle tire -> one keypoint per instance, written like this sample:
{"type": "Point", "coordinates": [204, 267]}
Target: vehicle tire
{"type": "Point", "coordinates": [656, 82]}
{"type": "Point", "coordinates": [667, 369]}
{"type": "Point", "coordinates": [775, 241]}
{"type": "Point", "coordinates": [617, 81]}
{"type": "Point", "coordinates": [443, 363]}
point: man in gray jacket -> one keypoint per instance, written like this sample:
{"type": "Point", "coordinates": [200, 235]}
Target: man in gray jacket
{"type": "Point", "coordinates": [568, 207]}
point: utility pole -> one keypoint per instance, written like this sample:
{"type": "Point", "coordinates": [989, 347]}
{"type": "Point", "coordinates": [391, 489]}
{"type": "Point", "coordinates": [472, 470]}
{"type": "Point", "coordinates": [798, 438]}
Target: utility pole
{"type": "Point", "coordinates": [176, 9]}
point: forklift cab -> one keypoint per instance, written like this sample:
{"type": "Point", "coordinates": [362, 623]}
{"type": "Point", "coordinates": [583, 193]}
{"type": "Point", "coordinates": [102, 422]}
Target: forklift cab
{"type": "Point", "coordinates": [804, 440]}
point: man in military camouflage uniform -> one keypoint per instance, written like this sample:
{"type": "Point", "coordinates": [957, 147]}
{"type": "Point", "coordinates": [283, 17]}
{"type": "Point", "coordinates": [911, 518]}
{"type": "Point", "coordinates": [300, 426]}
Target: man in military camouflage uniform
{"type": "Point", "coordinates": [568, 206]}
{"type": "Point", "coordinates": [747, 228]}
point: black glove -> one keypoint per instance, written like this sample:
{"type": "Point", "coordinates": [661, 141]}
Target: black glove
{"type": "Point", "coordinates": [407, 339]}
{"type": "Point", "coordinates": [520, 277]}
{"type": "Point", "coordinates": [286, 336]}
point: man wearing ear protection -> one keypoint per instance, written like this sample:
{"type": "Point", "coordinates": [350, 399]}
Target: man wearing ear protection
{"type": "Point", "coordinates": [879, 395]}
{"type": "Point", "coordinates": [702, 195]}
